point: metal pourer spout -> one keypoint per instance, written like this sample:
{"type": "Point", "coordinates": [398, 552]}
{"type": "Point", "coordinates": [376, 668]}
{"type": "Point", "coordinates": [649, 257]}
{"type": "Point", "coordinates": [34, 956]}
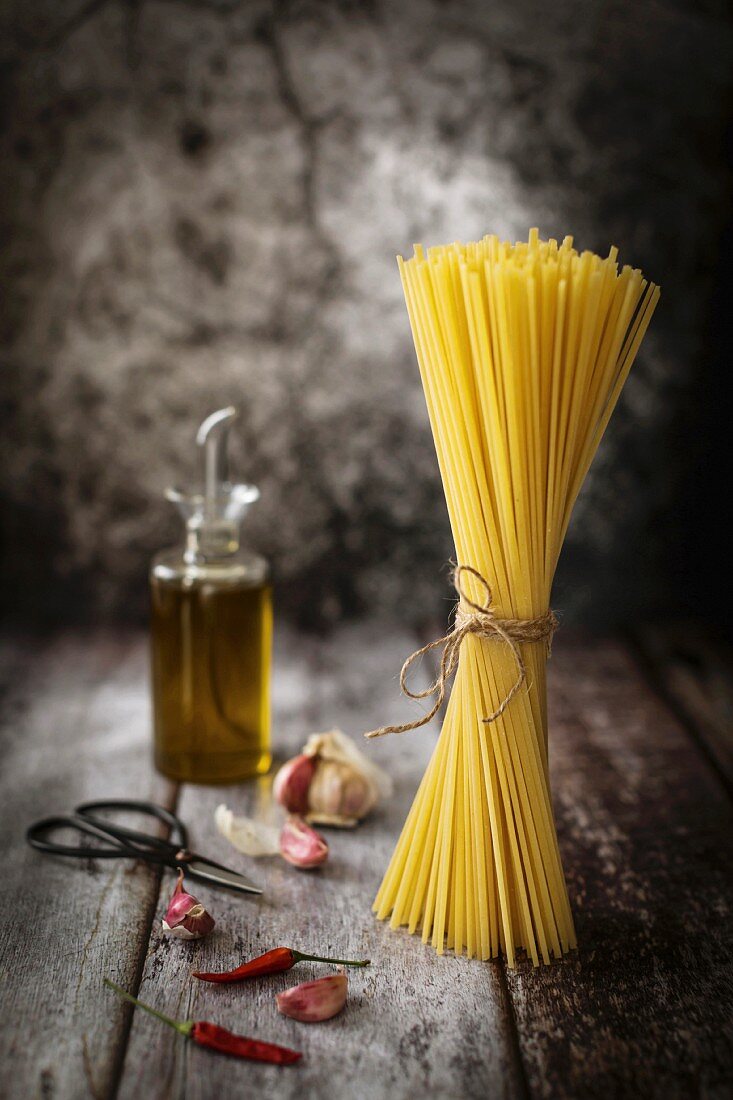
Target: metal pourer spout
{"type": "Point", "coordinates": [213, 437]}
{"type": "Point", "coordinates": [213, 515]}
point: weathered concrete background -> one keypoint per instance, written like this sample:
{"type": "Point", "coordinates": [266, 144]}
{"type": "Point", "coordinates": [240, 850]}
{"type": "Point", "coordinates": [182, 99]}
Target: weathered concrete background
{"type": "Point", "coordinates": [202, 204]}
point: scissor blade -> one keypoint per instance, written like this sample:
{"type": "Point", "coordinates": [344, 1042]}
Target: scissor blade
{"type": "Point", "coordinates": [222, 876]}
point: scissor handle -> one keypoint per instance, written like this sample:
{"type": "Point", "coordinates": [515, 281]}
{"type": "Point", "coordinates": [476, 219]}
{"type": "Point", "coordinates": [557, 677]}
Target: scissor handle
{"type": "Point", "coordinates": [125, 842]}
{"type": "Point", "coordinates": [37, 838]}
{"type": "Point", "coordinates": [178, 836]}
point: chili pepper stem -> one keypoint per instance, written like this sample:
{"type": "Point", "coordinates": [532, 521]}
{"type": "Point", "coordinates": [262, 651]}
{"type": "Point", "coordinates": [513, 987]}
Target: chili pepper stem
{"type": "Point", "coordinates": [300, 956]}
{"type": "Point", "coordinates": [183, 1026]}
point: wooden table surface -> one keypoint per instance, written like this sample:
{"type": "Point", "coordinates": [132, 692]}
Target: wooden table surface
{"type": "Point", "coordinates": [640, 751]}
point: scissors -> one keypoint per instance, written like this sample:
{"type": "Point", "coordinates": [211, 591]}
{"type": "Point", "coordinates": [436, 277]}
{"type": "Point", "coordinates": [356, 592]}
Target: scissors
{"type": "Point", "coordinates": [124, 843]}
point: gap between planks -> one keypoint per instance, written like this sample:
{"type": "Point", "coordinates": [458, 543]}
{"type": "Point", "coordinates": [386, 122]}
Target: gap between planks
{"type": "Point", "coordinates": [170, 802]}
{"type": "Point", "coordinates": [691, 670]}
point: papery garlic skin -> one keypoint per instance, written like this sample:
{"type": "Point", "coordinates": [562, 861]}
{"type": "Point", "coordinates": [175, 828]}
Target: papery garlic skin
{"type": "Point", "coordinates": [331, 782]}
{"type": "Point", "coordinates": [253, 838]}
{"type": "Point", "coordinates": [301, 845]}
{"type": "Point", "coordinates": [311, 1002]}
{"type": "Point", "coordinates": [186, 918]}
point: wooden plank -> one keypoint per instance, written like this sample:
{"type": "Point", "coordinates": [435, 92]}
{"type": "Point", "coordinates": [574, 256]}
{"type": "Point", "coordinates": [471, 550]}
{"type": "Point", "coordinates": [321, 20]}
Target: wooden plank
{"type": "Point", "coordinates": [75, 727]}
{"type": "Point", "coordinates": [645, 1006]}
{"type": "Point", "coordinates": [694, 672]}
{"type": "Point", "coordinates": [413, 1024]}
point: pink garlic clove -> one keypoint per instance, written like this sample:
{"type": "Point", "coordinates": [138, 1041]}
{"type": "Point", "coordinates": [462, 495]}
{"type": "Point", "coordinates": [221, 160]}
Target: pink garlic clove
{"type": "Point", "coordinates": [293, 781]}
{"type": "Point", "coordinates": [310, 1002]}
{"type": "Point", "coordinates": [186, 918]}
{"type": "Point", "coordinates": [301, 845]}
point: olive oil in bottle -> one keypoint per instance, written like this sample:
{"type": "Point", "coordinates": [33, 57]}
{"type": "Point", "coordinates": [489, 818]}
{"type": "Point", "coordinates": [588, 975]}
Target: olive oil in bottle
{"type": "Point", "coordinates": [211, 633]}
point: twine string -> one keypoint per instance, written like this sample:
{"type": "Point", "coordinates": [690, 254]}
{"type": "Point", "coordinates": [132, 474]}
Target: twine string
{"type": "Point", "coordinates": [482, 621]}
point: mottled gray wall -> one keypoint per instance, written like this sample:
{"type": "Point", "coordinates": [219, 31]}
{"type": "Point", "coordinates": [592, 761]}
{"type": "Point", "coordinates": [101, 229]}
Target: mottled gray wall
{"type": "Point", "coordinates": [202, 204]}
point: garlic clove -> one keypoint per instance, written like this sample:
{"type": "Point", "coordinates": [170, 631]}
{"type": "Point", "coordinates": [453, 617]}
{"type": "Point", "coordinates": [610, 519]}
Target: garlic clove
{"type": "Point", "coordinates": [293, 781]}
{"type": "Point", "coordinates": [311, 1002]}
{"type": "Point", "coordinates": [185, 917]}
{"type": "Point", "coordinates": [196, 924]}
{"type": "Point", "coordinates": [301, 845]}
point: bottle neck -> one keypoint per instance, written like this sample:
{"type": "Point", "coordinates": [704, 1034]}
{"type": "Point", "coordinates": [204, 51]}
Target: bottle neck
{"type": "Point", "coordinates": [212, 523]}
{"type": "Point", "coordinates": [212, 540]}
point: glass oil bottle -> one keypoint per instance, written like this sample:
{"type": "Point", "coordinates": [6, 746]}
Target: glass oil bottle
{"type": "Point", "coordinates": [211, 632]}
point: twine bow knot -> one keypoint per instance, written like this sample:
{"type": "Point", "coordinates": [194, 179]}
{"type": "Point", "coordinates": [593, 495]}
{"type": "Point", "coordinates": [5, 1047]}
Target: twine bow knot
{"type": "Point", "coordinates": [483, 621]}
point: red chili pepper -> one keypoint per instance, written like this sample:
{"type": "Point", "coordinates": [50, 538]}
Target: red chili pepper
{"type": "Point", "coordinates": [218, 1038]}
{"type": "Point", "coordinates": [272, 962]}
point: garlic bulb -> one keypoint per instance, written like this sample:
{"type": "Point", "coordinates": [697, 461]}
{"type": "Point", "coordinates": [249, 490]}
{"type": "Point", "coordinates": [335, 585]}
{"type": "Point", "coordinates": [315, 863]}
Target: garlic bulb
{"type": "Point", "coordinates": [331, 782]}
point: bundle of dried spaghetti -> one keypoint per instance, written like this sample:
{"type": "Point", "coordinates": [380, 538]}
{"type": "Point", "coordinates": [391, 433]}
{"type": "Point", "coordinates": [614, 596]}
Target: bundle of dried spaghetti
{"type": "Point", "coordinates": [523, 352]}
